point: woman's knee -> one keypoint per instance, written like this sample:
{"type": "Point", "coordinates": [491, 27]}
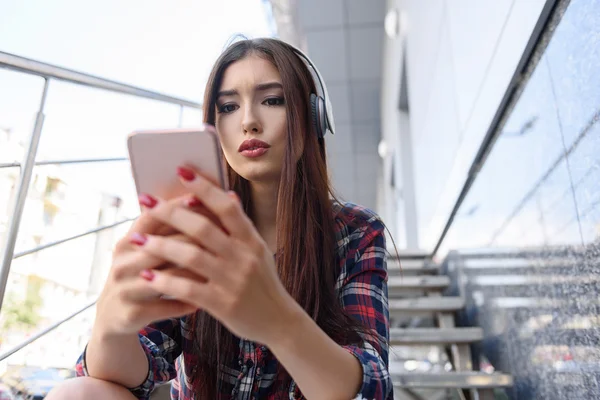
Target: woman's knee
{"type": "Point", "coordinates": [89, 389]}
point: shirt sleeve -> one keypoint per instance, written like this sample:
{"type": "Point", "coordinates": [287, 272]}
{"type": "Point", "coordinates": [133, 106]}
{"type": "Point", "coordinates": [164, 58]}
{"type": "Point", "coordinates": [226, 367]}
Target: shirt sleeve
{"type": "Point", "coordinates": [364, 296]}
{"type": "Point", "coordinates": [161, 342]}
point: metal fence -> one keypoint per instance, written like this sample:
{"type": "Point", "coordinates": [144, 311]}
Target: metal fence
{"type": "Point", "coordinates": [49, 73]}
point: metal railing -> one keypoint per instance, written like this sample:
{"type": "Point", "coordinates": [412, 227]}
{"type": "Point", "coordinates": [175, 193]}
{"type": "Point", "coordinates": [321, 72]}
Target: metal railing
{"type": "Point", "coordinates": [68, 239]}
{"type": "Point", "coordinates": [51, 72]}
{"type": "Point", "coordinates": [44, 332]}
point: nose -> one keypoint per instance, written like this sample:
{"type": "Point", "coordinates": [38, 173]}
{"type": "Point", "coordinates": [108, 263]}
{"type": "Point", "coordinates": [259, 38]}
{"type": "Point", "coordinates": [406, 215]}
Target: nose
{"type": "Point", "coordinates": [251, 123]}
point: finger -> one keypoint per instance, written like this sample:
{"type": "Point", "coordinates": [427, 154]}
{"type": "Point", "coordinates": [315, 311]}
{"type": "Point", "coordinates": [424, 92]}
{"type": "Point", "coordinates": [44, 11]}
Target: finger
{"type": "Point", "coordinates": [130, 263]}
{"type": "Point", "coordinates": [184, 254]}
{"type": "Point", "coordinates": [136, 290]}
{"type": "Point", "coordinates": [179, 288]}
{"type": "Point", "coordinates": [195, 204]}
{"type": "Point", "coordinates": [165, 230]}
{"type": "Point", "coordinates": [160, 309]}
{"type": "Point", "coordinates": [196, 226]}
{"type": "Point", "coordinates": [184, 273]}
{"type": "Point", "coordinates": [145, 223]}
{"type": "Point", "coordinates": [228, 210]}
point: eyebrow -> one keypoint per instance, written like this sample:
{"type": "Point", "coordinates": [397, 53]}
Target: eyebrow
{"type": "Point", "coordinates": [260, 87]}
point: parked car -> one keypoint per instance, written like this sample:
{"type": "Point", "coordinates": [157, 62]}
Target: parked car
{"type": "Point", "coordinates": [6, 393]}
{"type": "Point", "coordinates": [34, 383]}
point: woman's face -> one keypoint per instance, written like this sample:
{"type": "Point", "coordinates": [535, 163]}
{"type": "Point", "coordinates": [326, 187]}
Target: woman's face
{"type": "Point", "coordinates": [251, 119]}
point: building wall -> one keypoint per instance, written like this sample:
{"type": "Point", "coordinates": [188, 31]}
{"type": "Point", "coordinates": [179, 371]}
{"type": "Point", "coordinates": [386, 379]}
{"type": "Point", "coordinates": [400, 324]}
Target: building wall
{"type": "Point", "coordinates": [539, 191]}
{"type": "Point", "coordinates": [343, 38]}
{"type": "Point", "coordinates": [539, 186]}
{"type": "Point", "coordinates": [528, 231]}
{"type": "Point", "coordinates": [460, 58]}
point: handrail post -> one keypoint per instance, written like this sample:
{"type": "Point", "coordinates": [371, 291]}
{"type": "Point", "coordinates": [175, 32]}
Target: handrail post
{"type": "Point", "coordinates": [180, 122]}
{"type": "Point", "coordinates": [10, 237]}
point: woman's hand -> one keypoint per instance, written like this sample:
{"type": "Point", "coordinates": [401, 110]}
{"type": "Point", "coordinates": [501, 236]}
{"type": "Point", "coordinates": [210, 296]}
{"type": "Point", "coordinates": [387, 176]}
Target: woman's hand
{"type": "Point", "coordinates": [242, 287]}
{"type": "Point", "coordinates": [126, 303]}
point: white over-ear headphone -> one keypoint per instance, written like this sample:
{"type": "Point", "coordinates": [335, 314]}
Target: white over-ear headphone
{"type": "Point", "coordinates": [319, 102]}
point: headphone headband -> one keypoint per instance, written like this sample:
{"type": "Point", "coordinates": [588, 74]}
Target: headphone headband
{"type": "Point", "coordinates": [321, 88]}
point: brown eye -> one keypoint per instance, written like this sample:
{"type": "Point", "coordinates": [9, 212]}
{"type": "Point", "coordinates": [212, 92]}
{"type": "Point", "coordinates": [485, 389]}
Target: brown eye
{"type": "Point", "coordinates": [227, 108]}
{"type": "Point", "coordinates": [274, 101]}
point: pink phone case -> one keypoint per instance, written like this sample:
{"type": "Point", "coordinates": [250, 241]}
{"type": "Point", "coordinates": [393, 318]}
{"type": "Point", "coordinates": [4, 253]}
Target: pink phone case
{"type": "Point", "coordinates": [155, 155]}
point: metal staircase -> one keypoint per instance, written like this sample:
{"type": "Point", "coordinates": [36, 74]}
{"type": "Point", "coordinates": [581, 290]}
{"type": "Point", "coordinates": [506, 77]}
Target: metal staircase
{"type": "Point", "coordinates": [422, 319]}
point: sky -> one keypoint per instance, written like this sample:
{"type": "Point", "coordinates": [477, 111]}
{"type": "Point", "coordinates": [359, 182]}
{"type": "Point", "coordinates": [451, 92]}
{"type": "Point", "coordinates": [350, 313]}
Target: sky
{"type": "Point", "coordinates": [159, 45]}
{"type": "Point", "coordinates": [163, 46]}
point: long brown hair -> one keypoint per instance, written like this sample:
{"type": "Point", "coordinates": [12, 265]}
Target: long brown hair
{"type": "Point", "coordinates": [306, 255]}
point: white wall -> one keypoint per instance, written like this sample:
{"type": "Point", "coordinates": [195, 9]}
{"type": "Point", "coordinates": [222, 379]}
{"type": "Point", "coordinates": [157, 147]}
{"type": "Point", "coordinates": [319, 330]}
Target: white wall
{"type": "Point", "coordinates": [344, 40]}
{"type": "Point", "coordinates": [461, 56]}
{"type": "Point", "coordinates": [392, 205]}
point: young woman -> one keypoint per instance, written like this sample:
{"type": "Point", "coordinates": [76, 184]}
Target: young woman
{"type": "Point", "coordinates": [280, 291]}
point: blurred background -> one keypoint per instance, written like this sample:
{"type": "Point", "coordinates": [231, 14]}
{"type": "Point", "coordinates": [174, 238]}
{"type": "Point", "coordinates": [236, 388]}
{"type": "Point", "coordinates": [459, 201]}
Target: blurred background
{"type": "Point", "coordinates": [472, 127]}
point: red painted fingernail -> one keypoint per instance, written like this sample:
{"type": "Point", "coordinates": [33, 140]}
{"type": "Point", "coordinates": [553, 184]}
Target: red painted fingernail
{"type": "Point", "coordinates": [186, 174]}
{"type": "Point", "coordinates": [193, 202]}
{"type": "Point", "coordinates": [147, 275]}
{"type": "Point", "coordinates": [139, 239]}
{"type": "Point", "coordinates": [147, 201]}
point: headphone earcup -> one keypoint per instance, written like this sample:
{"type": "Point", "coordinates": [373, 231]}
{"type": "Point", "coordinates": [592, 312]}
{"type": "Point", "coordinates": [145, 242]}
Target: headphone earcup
{"type": "Point", "coordinates": [317, 109]}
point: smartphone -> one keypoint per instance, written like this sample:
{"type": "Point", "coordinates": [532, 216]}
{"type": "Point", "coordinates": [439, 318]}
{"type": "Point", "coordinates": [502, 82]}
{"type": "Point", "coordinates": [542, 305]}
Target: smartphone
{"type": "Point", "coordinates": [155, 155]}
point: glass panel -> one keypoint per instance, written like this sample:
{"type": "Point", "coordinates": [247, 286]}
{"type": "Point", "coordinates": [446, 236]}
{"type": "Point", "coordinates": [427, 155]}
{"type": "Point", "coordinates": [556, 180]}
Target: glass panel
{"type": "Point", "coordinates": [536, 204]}
{"type": "Point", "coordinates": [505, 202]}
{"type": "Point", "coordinates": [585, 170]}
{"type": "Point", "coordinates": [573, 56]}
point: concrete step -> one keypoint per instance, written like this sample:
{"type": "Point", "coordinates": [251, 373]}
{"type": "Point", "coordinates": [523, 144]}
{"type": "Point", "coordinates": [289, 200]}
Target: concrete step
{"type": "Point", "coordinates": [450, 380]}
{"type": "Point", "coordinates": [545, 285]}
{"type": "Point", "coordinates": [509, 252]}
{"type": "Point", "coordinates": [430, 283]}
{"type": "Point", "coordinates": [426, 305]}
{"type": "Point", "coordinates": [161, 392]}
{"type": "Point", "coordinates": [410, 255]}
{"type": "Point", "coordinates": [514, 265]}
{"type": "Point", "coordinates": [417, 336]}
{"type": "Point", "coordinates": [411, 267]}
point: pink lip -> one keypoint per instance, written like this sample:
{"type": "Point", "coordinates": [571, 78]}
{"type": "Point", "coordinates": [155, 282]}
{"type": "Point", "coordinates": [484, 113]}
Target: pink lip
{"type": "Point", "coordinates": [253, 145]}
{"type": "Point", "coordinates": [259, 151]}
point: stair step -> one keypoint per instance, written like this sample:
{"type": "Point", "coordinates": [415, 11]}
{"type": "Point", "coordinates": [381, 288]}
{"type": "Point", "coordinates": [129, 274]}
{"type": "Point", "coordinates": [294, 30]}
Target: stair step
{"type": "Point", "coordinates": [505, 264]}
{"type": "Point", "coordinates": [450, 380]}
{"type": "Point", "coordinates": [161, 392]}
{"type": "Point", "coordinates": [505, 280]}
{"type": "Point", "coordinates": [411, 267]}
{"type": "Point", "coordinates": [411, 255]}
{"type": "Point", "coordinates": [426, 304]}
{"type": "Point", "coordinates": [399, 283]}
{"type": "Point", "coordinates": [413, 336]}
